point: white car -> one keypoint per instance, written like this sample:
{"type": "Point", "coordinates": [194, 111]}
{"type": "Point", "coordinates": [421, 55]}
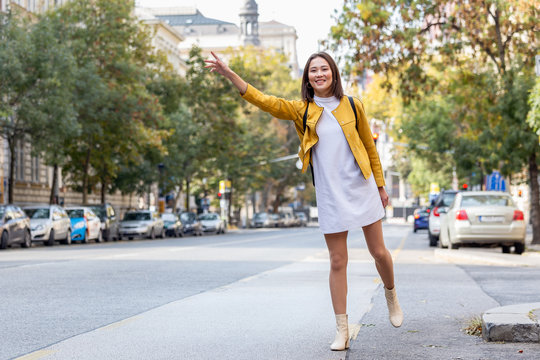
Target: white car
{"type": "Point", "coordinates": [143, 223]}
{"type": "Point", "coordinates": [211, 222]}
{"type": "Point", "coordinates": [49, 223]}
{"type": "Point", "coordinates": [437, 213]}
{"type": "Point", "coordinates": [85, 224]}
{"type": "Point", "coordinates": [484, 217]}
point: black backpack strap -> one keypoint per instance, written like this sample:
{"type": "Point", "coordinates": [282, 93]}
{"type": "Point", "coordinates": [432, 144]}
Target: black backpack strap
{"type": "Point", "coordinates": [305, 124]}
{"type": "Point", "coordinates": [351, 100]}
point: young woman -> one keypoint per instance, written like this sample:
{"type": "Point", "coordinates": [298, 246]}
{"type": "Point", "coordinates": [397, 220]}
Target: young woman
{"type": "Point", "coordinates": [337, 141]}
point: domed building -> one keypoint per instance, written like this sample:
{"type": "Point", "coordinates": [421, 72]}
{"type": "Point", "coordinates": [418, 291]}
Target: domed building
{"type": "Point", "coordinates": [218, 35]}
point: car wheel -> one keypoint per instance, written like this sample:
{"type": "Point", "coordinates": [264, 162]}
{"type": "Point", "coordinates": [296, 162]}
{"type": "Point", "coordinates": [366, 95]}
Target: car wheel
{"type": "Point", "coordinates": [99, 237]}
{"type": "Point", "coordinates": [4, 240]}
{"type": "Point", "coordinates": [67, 240]}
{"type": "Point", "coordinates": [415, 229]}
{"type": "Point", "coordinates": [85, 238]}
{"type": "Point", "coordinates": [152, 235]}
{"type": "Point", "coordinates": [452, 246]}
{"type": "Point", "coordinates": [506, 249]}
{"type": "Point", "coordinates": [130, 238]}
{"type": "Point", "coordinates": [50, 242]}
{"type": "Point", "coordinates": [27, 242]}
{"type": "Point", "coordinates": [162, 235]}
{"type": "Point", "coordinates": [519, 248]}
{"type": "Point", "coordinates": [432, 240]}
{"type": "Point", "coordinates": [109, 237]}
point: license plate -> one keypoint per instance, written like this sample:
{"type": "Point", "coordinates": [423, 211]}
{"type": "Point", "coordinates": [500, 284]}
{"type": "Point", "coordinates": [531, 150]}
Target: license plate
{"type": "Point", "coordinates": [491, 219]}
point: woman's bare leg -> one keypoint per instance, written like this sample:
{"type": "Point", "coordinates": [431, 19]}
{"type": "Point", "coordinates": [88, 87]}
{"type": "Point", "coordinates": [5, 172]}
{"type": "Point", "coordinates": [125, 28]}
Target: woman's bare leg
{"type": "Point", "coordinates": [337, 247]}
{"type": "Point", "coordinates": [383, 260]}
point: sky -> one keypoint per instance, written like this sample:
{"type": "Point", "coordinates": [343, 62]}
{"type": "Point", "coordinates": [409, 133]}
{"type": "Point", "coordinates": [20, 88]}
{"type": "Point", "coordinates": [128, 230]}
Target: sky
{"type": "Point", "coordinates": [311, 18]}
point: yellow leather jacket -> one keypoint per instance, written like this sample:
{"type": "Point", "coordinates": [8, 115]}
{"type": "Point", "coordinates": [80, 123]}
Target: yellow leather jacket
{"type": "Point", "coordinates": [358, 134]}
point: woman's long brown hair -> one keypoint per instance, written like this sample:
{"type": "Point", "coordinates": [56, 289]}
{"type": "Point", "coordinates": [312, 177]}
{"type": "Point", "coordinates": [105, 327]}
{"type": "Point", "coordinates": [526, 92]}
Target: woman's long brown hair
{"type": "Point", "coordinates": [337, 88]}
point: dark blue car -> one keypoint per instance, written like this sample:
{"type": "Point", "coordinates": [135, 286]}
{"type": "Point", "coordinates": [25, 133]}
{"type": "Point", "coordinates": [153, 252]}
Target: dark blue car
{"type": "Point", "coordinates": [421, 217]}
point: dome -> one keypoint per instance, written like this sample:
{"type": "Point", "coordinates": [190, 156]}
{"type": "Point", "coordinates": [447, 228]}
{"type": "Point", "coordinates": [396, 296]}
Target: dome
{"type": "Point", "coordinates": [249, 7]}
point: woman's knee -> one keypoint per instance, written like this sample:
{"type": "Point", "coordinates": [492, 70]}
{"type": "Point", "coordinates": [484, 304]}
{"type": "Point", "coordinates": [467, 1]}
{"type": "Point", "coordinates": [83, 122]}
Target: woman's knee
{"type": "Point", "coordinates": [338, 262]}
{"type": "Point", "coordinates": [379, 254]}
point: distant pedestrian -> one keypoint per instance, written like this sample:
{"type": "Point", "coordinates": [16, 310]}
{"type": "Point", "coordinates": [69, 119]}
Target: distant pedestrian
{"type": "Point", "coordinates": [337, 141]}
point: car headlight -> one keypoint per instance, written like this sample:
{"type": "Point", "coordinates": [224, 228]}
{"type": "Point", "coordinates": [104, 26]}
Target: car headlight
{"type": "Point", "coordinates": [37, 228]}
{"type": "Point", "coordinates": [79, 225]}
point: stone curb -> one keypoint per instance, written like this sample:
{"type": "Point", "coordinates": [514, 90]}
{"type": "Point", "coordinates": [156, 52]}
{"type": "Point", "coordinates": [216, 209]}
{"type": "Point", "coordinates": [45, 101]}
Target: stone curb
{"type": "Point", "coordinates": [513, 323]}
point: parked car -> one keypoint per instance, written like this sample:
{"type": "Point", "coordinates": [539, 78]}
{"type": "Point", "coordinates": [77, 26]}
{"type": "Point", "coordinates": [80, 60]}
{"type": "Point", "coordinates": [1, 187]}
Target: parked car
{"type": "Point", "coordinates": [421, 217]}
{"type": "Point", "coordinates": [173, 225]}
{"type": "Point", "coordinates": [440, 206]}
{"type": "Point", "coordinates": [85, 224]}
{"type": "Point", "coordinates": [109, 220]}
{"type": "Point", "coordinates": [263, 219]}
{"type": "Point", "coordinates": [191, 224]}
{"type": "Point", "coordinates": [301, 218]}
{"type": "Point", "coordinates": [484, 217]}
{"type": "Point", "coordinates": [212, 222]}
{"type": "Point", "coordinates": [286, 219]}
{"type": "Point", "coordinates": [49, 223]}
{"type": "Point", "coordinates": [15, 227]}
{"type": "Point", "coordinates": [145, 223]}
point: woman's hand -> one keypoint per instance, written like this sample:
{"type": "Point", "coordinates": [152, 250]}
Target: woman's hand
{"type": "Point", "coordinates": [217, 65]}
{"type": "Point", "coordinates": [221, 68]}
{"type": "Point", "coordinates": [384, 196]}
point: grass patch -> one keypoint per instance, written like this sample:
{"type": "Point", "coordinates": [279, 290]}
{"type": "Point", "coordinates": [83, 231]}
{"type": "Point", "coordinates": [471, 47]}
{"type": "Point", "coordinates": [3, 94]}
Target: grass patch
{"type": "Point", "coordinates": [474, 326]}
{"type": "Point", "coordinates": [532, 315]}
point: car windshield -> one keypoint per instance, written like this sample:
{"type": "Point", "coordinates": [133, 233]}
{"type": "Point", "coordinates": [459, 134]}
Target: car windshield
{"type": "Point", "coordinates": [41, 213]}
{"type": "Point", "coordinates": [447, 199]}
{"type": "Point", "coordinates": [168, 217]}
{"type": "Point", "coordinates": [187, 217]}
{"type": "Point", "coordinates": [423, 213]}
{"type": "Point", "coordinates": [208, 217]}
{"type": "Point", "coordinates": [137, 216]}
{"type": "Point", "coordinates": [261, 216]}
{"type": "Point", "coordinates": [99, 211]}
{"type": "Point", "coordinates": [75, 213]}
{"type": "Point", "coordinates": [301, 215]}
{"type": "Point", "coordinates": [486, 200]}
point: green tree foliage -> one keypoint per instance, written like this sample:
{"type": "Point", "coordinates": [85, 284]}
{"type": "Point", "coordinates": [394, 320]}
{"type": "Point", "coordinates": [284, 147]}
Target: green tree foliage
{"type": "Point", "coordinates": [484, 49]}
{"type": "Point", "coordinates": [121, 119]}
{"type": "Point", "coordinates": [36, 73]}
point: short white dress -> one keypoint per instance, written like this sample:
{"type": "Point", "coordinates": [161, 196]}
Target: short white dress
{"type": "Point", "coordinates": [345, 199]}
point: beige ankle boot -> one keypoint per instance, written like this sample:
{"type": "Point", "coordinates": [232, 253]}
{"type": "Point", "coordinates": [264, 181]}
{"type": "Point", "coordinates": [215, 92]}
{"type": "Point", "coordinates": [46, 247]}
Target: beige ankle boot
{"type": "Point", "coordinates": [396, 315]}
{"type": "Point", "coordinates": [341, 341]}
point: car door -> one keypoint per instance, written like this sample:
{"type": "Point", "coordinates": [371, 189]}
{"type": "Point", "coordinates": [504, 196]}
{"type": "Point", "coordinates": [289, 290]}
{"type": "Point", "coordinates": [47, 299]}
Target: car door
{"type": "Point", "coordinates": [15, 230]}
{"type": "Point", "coordinates": [113, 223]}
{"type": "Point", "coordinates": [94, 224]}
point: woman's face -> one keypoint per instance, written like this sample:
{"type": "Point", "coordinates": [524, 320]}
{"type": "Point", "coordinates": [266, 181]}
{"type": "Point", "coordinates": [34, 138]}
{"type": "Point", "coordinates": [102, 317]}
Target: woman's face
{"type": "Point", "coordinates": [320, 77]}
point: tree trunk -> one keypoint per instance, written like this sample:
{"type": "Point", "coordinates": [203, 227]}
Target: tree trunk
{"type": "Point", "coordinates": [11, 179]}
{"type": "Point", "coordinates": [53, 199]}
{"type": "Point", "coordinates": [253, 201]}
{"type": "Point", "coordinates": [103, 190]}
{"type": "Point", "coordinates": [86, 176]}
{"type": "Point", "coordinates": [535, 198]}
{"type": "Point", "coordinates": [229, 218]}
{"type": "Point", "coordinates": [187, 194]}
{"type": "Point", "coordinates": [177, 196]}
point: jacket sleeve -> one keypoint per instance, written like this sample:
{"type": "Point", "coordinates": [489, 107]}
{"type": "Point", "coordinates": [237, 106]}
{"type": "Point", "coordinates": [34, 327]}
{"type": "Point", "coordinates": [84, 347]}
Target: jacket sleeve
{"type": "Point", "coordinates": [367, 138]}
{"type": "Point", "coordinates": [280, 108]}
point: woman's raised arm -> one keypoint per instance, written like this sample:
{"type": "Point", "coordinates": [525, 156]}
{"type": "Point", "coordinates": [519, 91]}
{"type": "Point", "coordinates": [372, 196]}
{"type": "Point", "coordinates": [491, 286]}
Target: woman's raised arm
{"type": "Point", "coordinates": [221, 68]}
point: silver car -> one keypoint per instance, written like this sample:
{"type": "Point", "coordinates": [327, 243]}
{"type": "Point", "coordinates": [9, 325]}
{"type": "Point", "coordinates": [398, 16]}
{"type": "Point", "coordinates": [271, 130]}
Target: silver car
{"type": "Point", "coordinates": [141, 223]}
{"type": "Point", "coordinates": [49, 223]}
{"type": "Point", "coordinates": [211, 222]}
{"type": "Point", "coordinates": [483, 217]}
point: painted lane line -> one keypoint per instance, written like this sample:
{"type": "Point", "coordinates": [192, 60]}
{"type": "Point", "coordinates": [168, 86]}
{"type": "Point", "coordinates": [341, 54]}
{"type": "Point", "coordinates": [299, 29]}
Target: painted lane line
{"type": "Point", "coordinates": [37, 355]}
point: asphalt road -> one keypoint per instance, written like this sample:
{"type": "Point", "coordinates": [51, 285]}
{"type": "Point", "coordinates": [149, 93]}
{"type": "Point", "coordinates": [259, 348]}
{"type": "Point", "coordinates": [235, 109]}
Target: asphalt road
{"type": "Point", "coordinates": [253, 294]}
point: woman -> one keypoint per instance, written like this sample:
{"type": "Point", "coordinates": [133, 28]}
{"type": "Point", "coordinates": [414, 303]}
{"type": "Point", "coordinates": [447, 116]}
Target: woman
{"type": "Point", "coordinates": [337, 141]}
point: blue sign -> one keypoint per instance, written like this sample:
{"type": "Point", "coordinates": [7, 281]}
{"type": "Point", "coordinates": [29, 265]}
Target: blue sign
{"type": "Point", "coordinates": [495, 182]}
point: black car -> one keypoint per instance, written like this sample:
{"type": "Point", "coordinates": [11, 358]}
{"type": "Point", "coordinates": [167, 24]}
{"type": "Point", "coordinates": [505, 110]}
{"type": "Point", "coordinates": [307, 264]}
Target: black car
{"type": "Point", "coordinates": [109, 220]}
{"type": "Point", "coordinates": [15, 227]}
{"type": "Point", "coordinates": [191, 224]}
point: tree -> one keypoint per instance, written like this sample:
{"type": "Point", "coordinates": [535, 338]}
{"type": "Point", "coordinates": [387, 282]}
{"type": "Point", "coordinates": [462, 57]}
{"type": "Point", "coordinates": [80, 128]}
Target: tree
{"type": "Point", "coordinates": [35, 83]}
{"type": "Point", "coordinates": [490, 38]}
{"type": "Point", "coordinates": [119, 117]}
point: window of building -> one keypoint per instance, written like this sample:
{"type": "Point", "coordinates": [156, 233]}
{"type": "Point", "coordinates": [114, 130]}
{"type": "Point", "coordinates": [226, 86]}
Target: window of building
{"type": "Point", "coordinates": [35, 169]}
{"type": "Point", "coordinates": [19, 161]}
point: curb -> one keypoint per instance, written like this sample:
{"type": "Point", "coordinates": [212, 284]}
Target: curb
{"type": "Point", "coordinates": [513, 323]}
{"type": "Point", "coordinates": [489, 258]}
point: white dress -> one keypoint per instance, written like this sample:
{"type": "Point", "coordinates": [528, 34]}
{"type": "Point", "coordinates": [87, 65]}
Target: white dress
{"type": "Point", "coordinates": [345, 199]}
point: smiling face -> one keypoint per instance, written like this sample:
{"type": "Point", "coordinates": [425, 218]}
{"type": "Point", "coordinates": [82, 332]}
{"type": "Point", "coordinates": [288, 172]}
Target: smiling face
{"type": "Point", "coordinates": [320, 77]}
